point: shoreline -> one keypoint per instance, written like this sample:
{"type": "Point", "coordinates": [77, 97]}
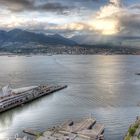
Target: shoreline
{"type": "Point", "coordinates": [45, 54]}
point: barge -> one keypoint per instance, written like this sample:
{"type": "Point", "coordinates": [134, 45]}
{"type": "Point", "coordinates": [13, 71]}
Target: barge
{"type": "Point", "coordinates": [12, 98]}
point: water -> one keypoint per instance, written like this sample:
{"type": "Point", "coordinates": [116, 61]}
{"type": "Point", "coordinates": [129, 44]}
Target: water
{"type": "Point", "coordinates": [105, 86]}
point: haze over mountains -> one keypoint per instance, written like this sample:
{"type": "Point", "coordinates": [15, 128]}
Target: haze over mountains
{"type": "Point", "coordinates": [25, 37]}
{"type": "Point", "coordinates": [22, 36]}
{"type": "Point", "coordinates": [25, 42]}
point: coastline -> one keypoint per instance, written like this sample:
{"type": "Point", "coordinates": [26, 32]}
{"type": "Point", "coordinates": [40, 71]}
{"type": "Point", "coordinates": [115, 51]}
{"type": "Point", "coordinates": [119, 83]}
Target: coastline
{"type": "Point", "coordinates": [46, 54]}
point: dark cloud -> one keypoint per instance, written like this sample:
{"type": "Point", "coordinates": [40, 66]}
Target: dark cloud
{"type": "Point", "coordinates": [131, 24]}
{"type": "Point", "coordinates": [32, 5]}
{"type": "Point", "coordinates": [21, 2]}
{"type": "Point", "coordinates": [16, 5]}
{"type": "Point", "coordinates": [137, 6]}
{"type": "Point", "coordinates": [53, 7]}
{"type": "Point", "coordinates": [60, 6]}
{"type": "Point", "coordinates": [76, 23]}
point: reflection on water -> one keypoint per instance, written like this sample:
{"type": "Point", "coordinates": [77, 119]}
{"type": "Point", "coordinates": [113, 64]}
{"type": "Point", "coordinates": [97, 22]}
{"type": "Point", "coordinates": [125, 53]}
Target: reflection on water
{"type": "Point", "coordinates": [105, 86]}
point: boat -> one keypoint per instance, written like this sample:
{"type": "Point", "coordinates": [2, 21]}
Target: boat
{"type": "Point", "coordinates": [12, 98]}
{"type": "Point", "coordinates": [28, 56]}
{"type": "Point", "coordinates": [137, 73]}
{"type": "Point", "coordinates": [18, 138]}
{"type": "Point", "coordinates": [11, 55]}
{"type": "Point", "coordinates": [49, 54]}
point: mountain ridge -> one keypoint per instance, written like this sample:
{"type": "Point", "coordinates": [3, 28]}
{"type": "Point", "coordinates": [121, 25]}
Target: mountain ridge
{"type": "Point", "coordinates": [23, 36]}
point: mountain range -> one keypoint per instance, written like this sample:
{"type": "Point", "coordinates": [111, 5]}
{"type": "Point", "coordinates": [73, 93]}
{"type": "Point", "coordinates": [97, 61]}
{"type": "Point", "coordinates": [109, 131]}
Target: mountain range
{"type": "Point", "coordinates": [23, 36]}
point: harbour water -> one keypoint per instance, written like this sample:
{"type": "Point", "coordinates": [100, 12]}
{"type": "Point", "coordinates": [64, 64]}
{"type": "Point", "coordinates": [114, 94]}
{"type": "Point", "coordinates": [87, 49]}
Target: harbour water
{"type": "Point", "coordinates": [105, 86]}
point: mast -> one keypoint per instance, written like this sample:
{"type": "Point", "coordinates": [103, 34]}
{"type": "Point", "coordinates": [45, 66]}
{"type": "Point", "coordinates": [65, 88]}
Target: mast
{"type": "Point", "coordinates": [7, 90]}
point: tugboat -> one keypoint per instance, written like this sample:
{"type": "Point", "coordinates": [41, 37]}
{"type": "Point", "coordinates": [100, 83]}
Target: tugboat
{"type": "Point", "coordinates": [137, 74]}
{"type": "Point", "coordinates": [15, 97]}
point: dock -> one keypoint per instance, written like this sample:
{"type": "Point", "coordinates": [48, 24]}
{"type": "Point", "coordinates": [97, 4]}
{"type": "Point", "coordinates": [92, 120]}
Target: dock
{"type": "Point", "coordinates": [86, 129]}
{"type": "Point", "coordinates": [70, 126]}
{"type": "Point", "coordinates": [16, 98]}
{"type": "Point", "coordinates": [32, 132]}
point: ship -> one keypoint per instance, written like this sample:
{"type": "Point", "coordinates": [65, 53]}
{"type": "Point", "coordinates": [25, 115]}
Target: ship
{"type": "Point", "coordinates": [12, 98]}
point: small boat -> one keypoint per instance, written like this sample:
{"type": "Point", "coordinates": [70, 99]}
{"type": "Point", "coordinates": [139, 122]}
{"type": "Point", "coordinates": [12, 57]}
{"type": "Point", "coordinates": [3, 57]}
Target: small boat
{"type": "Point", "coordinates": [49, 54]}
{"type": "Point", "coordinates": [137, 73]}
{"type": "Point", "coordinates": [11, 55]}
{"type": "Point", "coordinates": [24, 138]}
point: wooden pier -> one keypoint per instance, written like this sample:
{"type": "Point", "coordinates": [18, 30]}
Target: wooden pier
{"type": "Point", "coordinates": [86, 129]}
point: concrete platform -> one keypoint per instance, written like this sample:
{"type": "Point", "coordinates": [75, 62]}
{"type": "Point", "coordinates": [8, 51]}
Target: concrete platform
{"type": "Point", "coordinates": [86, 129]}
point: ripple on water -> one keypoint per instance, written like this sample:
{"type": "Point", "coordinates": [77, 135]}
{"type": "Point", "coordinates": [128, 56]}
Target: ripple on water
{"type": "Point", "coordinates": [103, 85]}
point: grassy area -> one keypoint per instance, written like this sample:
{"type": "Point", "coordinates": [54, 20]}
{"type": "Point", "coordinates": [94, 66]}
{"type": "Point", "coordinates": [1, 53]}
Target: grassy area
{"type": "Point", "coordinates": [39, 134]}
{"type": "Point", "coordinates": [132, 131]}
{"type": "Point", "coordinates": [127, 137]}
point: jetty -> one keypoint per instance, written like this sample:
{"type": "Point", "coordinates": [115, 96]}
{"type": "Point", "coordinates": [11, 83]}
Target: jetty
{"type": "Point", "coordinates": [32, 132]}
{"type": "Point", "coordinates": [133, 131]}
{"type": "Point", "coordinates": [17, 97]}
{"type": "Point", "coordinates": [86, 129]}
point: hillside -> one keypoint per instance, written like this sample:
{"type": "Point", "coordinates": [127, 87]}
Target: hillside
{"type": "Point", "coordinates": [22, 36]}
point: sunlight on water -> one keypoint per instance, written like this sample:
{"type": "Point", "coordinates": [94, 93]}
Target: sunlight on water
{"type": "Point", "coordinates": [105, 86]}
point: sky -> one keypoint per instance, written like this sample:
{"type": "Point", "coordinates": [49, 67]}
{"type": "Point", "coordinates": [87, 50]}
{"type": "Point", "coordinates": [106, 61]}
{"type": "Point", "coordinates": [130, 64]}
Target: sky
{"type": "Point", "coordinates": [96, 18]}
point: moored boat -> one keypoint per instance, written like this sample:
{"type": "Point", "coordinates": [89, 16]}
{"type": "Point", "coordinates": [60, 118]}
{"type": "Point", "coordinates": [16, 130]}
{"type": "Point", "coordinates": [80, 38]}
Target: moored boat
{"type": "Point", "coordinates": [15, 97]}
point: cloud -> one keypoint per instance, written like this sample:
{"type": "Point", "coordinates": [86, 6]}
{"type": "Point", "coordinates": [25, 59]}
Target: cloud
{"type": "Point", "coordinates": [95, 17]}
{"type": "Point", "coordinates": [33, 5]}
{"type": "Point", "coordinates": [116, 19]}
{"type": "Point", "coordinates": [16, 5]}
{"type": "Point", "coordinates": [116, 3]}
{"type": "Point", "coordinates": [106, 21]}
{"type": "Point", "coordinates": [135, 6]}
{"type": "Point", "coordinates": [57, 6]}
{"type": "Point", "coordinates": [130, 23]}
{"type": "Point", "coordinates": [53, 7]}
{"type": "Point", "coordinates": [71, 26]}
{"type": "Point", "coordinates": [21, 2]}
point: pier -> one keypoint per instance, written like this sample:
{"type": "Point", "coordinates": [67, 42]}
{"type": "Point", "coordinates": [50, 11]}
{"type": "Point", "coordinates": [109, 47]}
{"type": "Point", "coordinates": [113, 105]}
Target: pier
{"type": "Point", "coordinates": [86, 129]}
{"type": "Point", "coordinates": [16, 98]}
{"type": "Point", "coordinates": [32, 132]}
